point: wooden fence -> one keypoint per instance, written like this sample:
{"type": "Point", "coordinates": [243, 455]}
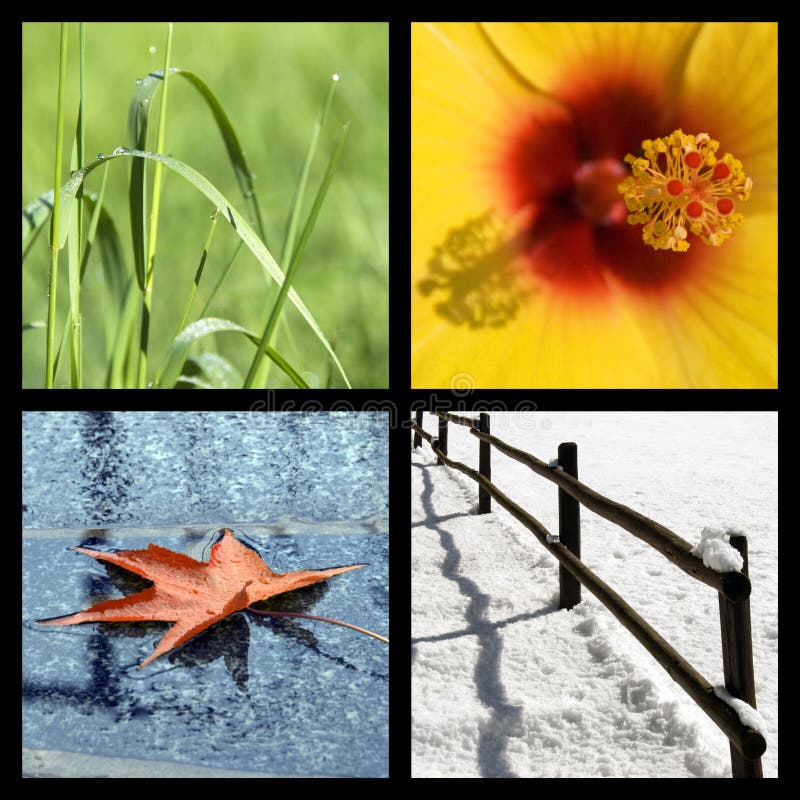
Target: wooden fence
{"type": "Point", "coordinates": [746, 745]}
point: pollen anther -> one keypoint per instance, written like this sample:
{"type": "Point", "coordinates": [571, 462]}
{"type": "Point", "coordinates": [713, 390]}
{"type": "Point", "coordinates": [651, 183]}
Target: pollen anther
{"type": "Point", "coordinates": [680, 186]}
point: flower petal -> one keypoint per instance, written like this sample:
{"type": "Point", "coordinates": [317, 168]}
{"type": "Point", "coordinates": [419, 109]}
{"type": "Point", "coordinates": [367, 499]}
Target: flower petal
{"type": "Point", "coordinates": [731, 91]}
{"type": "Point", "coordinates": [716, 328]}
{"type": "Point", "coordinates": [467, 205]}
{"type": "Point", "coordinates": [719, 329]}
{"type": "Point", "coordinates": [553, 344]}
{"type": "Point", "coordinates": [543, 52]}
{"type": "Point", "coordinates": [459, 103]}
{"type": "Point", "coordinates": [512, 286]}
{"type": "Point", "coordinates": [619, 79]}
{"type": "Point", "coordinates": [464, 104]}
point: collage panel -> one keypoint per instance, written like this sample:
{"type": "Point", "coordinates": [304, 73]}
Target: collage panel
{"type": "Point", "coordinates": [557, 630]}
{"type": "Point", "coordinates": [205, 594]}
{"type": "Point", "coordinates": [589, 210]}
{"type": "Point", "coordinates": [222, 221]}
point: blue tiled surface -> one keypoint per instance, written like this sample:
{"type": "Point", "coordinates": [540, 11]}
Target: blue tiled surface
{"type": "Point", "coordinates": [288, 697]}
{"type": "Point", "coordinates": [105, 469]}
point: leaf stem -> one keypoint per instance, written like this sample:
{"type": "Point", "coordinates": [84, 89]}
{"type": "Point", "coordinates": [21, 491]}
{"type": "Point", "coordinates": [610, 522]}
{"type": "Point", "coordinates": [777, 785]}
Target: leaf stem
{"type": "Point", "coordinates": [318, 619]}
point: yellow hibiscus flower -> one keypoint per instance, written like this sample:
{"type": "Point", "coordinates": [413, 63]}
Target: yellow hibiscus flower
{"type": "Point", "coordinates": [526, 269]}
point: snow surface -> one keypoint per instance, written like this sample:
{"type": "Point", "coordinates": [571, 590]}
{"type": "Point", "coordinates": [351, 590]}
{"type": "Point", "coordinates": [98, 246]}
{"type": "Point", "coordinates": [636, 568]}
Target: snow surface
{"type": "Point", "coordinates": [716, 552]}
{"type": "Point", "coordinates": [504, 683]}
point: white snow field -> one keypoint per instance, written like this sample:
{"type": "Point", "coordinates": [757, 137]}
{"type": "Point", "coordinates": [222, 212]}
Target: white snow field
{"type": "Point", "coordinates": [503, 683]}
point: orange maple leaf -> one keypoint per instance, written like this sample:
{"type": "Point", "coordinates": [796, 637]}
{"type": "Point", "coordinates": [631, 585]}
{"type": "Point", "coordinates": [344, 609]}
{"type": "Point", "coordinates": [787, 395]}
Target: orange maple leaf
{"type": "Point", "coordinates": [192, 594]}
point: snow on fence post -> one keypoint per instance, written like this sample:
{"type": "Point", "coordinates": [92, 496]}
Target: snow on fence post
{"type": "Point", "coordinates": [569, 527]}
{"type": "Point", "coordinates": [442, 441]}
{"type": "Point", "coordinates": [737, 660]}
{"type": "Point", "coordinates": [417, 437]}
{"type": "Point", "coordinates": [484, 465]}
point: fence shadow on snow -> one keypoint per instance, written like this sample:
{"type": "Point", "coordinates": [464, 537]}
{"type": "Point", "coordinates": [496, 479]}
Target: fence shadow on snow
{"type": "Point", "coordinates": [733, 588]}
{"type": "Point", "coordinates": [504, 716]}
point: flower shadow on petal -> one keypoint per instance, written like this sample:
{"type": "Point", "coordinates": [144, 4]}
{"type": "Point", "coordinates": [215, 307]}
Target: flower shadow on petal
{"type": "Point", "coordinates": [476, 268]}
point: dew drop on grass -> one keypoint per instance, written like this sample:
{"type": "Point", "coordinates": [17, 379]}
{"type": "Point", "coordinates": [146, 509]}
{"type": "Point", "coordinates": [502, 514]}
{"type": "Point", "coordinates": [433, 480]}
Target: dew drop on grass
{"type": "Point", "coordinates": [100, 155]}
{"type": "Point", "coordinates": [139, 82]}
{"type": "Point", "coordinates": [152, 49]}
{"type": "Point", "coordinates": [145, 101]}
{"type": "Point", "coordinates": [120, 151]}
{"type": "Point", "coordinates": [335, 76]}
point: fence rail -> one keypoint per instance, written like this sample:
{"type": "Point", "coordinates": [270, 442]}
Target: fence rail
{"type": "Point", "coordinates": [734, 585]}
{"type": "Point", "coordinates": [747, 745]}
{"type": "Point", "coordinates": [455, 418]}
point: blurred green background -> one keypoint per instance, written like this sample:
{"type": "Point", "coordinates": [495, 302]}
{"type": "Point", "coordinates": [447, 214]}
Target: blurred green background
{"type": "Point", "coordinates": [272, 79]}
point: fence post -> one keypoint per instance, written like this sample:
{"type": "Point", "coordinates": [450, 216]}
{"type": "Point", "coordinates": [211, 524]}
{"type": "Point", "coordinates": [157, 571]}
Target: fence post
{"type": "Point", "coordinates": [737, 660]}
{"type": "Point", "coordinates": [569, 527]}
{"type": "Point", "coordinates": [484, 465]}
{"type": "Point", "coordinates": [417, 437]}
{"type": "Point", "coordinates": [442, 445]}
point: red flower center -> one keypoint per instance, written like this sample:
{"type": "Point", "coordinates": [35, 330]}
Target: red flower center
{"type": "Point", "coordinates": [562, 165]}
{"type": "Point", "coordinates": [596, 195]}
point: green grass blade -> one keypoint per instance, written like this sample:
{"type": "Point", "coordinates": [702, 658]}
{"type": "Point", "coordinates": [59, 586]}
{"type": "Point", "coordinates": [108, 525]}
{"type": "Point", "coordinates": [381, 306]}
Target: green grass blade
{"type": "Point", "coordinates": [192, 382]}
{"type": "Point", "coordinates": [116, 274]}
{"type": "Point", "coordinates": [74, 250]}
{"type": "Point", "coordinates": [95, 204]}
{"type": "Point", "coordinates": [160, 147]}
{"type": "Point", "coordinates": [54, 227]}
{"type": "Point", "coordinates": [259, 371]}
{"type": "Point", "coordinates": [329, 379]}
{"type": "Point", "coordinates": [244, 177]}
{"type": "Point", "coordinates": [296, 256]}
{"type": "Point", "coordinates": [176, 355]}
{"type": "Point", "coordinates": [219, 373]}
{"type": "Point", "coordinates": [121, 367]}
{"type": "Point", "coordinates": [115, 270]}
{"type": "Point", "coordinates": [222, 278]}
{"type": "Point", "coordinates": [199, 273]}
{"type": "Point", "coordinates": [34, 216]}
{"type": "Point", "coordinates": [297, 205]}
{"type": "Point", "coordinates": [74, 271]}
{"type": "Point", "coordinates": [218, 200]}
{"type": "Point", "coordinates": [80, 129]}
{"type": "Point", "coordinates": [155, 206]}
{"type": "Point", "coordinates": [138, 116]}
{"type": "Point", "coordinates": [101, 230]}
{"type": "Point", "coordinates": [61, 342]}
